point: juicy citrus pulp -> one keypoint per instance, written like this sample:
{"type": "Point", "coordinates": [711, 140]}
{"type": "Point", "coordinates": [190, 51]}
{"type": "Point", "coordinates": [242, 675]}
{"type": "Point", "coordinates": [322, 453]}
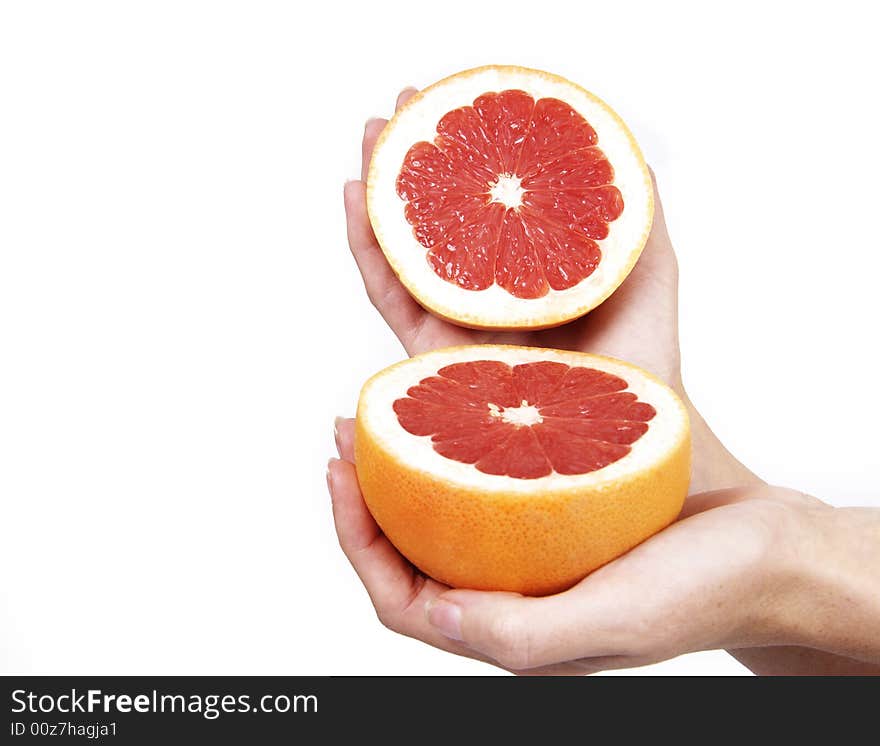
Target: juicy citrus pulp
{"type": "Point", "coordinates": [512, 191]}
{"type": "Point", "coordinates": [526, 420]}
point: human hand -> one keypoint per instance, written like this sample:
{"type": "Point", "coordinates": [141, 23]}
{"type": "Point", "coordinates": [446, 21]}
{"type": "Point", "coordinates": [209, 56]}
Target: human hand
{"type": "Point", "coordinates": [734, 572]}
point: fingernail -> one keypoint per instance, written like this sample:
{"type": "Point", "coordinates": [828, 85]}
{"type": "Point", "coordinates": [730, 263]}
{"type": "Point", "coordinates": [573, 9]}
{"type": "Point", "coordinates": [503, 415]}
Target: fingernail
{"type": "Point", "coordinates": [445, 617]}
{"type": "Point", "coordinates": [336, 434]}
{"type": "Point", "coordinates": [329, 476]}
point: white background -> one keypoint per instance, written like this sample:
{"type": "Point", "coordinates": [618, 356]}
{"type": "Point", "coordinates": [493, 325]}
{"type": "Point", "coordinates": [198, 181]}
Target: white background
{"type": "Point", "coordinates": [180, 319]}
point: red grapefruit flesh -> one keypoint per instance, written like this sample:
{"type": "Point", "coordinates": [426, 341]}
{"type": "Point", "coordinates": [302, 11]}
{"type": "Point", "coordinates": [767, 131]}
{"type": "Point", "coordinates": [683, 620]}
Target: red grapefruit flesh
{"type": "Point", "coordinates": [528, 420]}
{"type": "Point", "coordinates": [512, 191]}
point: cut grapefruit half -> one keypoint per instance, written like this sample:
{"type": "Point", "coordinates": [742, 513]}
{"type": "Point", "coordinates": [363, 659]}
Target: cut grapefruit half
{"type": "Point", "coordinates": [505, 197]}
{"type": "Point", "coordinates": [517, 468]}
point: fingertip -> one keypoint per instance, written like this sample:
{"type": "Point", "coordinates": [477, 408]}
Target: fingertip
{"type": "Point", "coordinates": [656, 189]}
{"type": "Point", "coordinates": [336, 423]}
{"type": "Point", "coordinates": [329, 475]}
{"type": "Point", "coordinates": [372, 129]}
{"type": "Point", "coordinates": [373, 126]}
{"type": "Point", "coordinates": [344, 489]}
{"type": "Point", "coordinates": [405, 95]}
{"type": "Point", "coordinates": [344, 435]}
{"type": "Point", "coordinates": [657, 202]}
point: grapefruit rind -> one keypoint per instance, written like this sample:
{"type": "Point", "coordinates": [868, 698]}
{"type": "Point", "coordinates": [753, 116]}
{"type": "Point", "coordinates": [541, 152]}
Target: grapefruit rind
{"type": "Point", "coordinates": [494, 307]}
{"type": "Point", "coordinates": [494, 532]}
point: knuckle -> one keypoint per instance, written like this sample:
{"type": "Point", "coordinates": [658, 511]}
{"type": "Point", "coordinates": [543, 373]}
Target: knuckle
{"type": "Point", "coordinates": [386, 620]}
{"type": "Point", "coordinates": [381, 297]}
{"type": "Point", "coordinates": [373, 297]}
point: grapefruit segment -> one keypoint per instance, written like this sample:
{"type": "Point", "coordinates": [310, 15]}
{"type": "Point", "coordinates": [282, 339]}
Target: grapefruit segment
{"type": "Point", "coordinates": [465, 253]}
{"type": "Point", "coordinates": [580, 169]}
{"type": "Point", "coordinates": [515, 468]}
{"type": "Point", "coordinates": [517, 268]}
{"type": "Point", "coordinates": [505, 118]}
{"type": "Point", "coordinates": [509, 198]}
{"type": "Point", "coordinates": [554, 131]}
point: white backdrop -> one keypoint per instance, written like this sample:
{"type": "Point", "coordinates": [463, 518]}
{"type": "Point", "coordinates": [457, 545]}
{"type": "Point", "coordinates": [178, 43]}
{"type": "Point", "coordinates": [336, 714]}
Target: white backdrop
{"type": "Point", "coordinates": [180, 319]}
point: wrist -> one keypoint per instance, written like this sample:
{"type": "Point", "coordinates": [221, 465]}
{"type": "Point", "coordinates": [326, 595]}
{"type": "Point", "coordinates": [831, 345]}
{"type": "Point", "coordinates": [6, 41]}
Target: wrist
{"type": "Point", "coordinates": [826, 593]}
{"type": "Point", "coordinates": [714, 467]}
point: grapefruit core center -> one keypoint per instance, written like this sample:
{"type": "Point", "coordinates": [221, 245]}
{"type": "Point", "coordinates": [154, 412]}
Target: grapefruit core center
{"type": "Point", "coordinates": [507, 190]}
{"type": "Point", "coordinates": [525, 414]}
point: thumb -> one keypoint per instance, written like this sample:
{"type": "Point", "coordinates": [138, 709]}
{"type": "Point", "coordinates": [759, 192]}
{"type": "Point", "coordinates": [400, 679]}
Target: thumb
{"type": "Point", "coordinates": [518, 632]}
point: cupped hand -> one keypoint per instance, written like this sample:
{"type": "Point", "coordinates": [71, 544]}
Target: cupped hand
{"type": "Point", "coordinates": [638, 323]}
{"type": "Point", "coordinates": [712, 580]}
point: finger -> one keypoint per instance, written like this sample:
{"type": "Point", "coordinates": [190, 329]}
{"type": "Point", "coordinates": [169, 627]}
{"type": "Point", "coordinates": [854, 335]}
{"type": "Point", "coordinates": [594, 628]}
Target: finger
{"type": "Point", "coordinates": [357, 529]}
{"type": "Point", "coordinates": [658, 228]}
{"type": "Point", "coordinates": [387, 576]}
{"type": "Point", "coordinates": [522, 633]}
{"type": "Point", "coordinates": [656, 269]}
{"type": "Point", "coordinates": [372, 129]}
{"type": "Point", "coordinates": [649, 292]}
{"type": "Point", "coordinates": [398, 592]}
{"type": "Point", "coordinates": [343, 433]}
{"type": "Point", "coordinates": [405, 95]}
{"type": "Point", "coordinates": [390, 298]}
{"type": "Point", "coordinates": [658, 256]}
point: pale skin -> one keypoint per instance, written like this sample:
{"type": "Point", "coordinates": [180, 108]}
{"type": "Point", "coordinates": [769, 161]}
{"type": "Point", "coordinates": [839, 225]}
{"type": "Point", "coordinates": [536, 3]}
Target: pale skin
{"type": "Point", "coordinates": [784, 582]}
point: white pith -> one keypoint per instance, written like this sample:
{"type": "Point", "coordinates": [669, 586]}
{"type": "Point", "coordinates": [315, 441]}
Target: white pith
{"type": "Point", "coordinates": [665, 431]}
{"type": "Point", "coordinates": [525, 414]}
{"type": "Point", "coordinates": [494, 306]}
{"type": "Point", "coordinates": [507, 190]}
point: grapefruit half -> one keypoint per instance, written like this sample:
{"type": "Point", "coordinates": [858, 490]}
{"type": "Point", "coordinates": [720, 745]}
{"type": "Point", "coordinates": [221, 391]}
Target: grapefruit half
{"type": "Point", "coordinates": [505, 197]}
{"type": "Point", "coordinates": [516, 468]}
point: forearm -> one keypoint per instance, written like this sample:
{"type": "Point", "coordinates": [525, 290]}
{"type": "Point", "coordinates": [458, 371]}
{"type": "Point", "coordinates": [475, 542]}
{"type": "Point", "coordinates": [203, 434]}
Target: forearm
{"type": "Point", "coordinates": [829, 572]}
{"type": "Point", "coordinates": [825, 618]}
{"type": "Point", "coordinates": [832, 599]}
